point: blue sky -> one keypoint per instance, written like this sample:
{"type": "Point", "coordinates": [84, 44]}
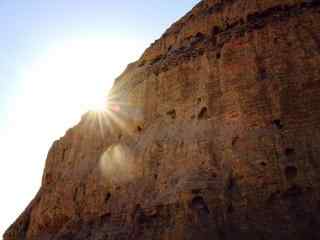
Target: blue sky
{"type": "Point", "coordinates": [29, 26]}
{"type": "Point", "coordinates": [39, 97]}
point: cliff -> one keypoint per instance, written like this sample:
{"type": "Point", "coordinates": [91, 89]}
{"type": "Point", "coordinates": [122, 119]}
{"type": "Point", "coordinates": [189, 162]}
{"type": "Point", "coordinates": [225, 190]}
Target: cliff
{"type": "Point", "coordinates": [213, 133]}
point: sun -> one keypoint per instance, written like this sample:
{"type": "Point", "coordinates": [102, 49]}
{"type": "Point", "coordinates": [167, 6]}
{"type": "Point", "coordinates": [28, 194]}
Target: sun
{"type": "Point", "coordinates": [66, 79]}
{"type": "Point", "coordinates": [97, 103]}
{"type": "Point", "coordinates": [78, 70]}
{"type": "Point", "coordinates": [75, 76]}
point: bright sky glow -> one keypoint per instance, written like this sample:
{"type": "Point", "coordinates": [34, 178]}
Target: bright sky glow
{"type": "Point", "coordinates": [58, 60]}
{"type": "Point", "coordinates": [76, 75]}
{"type": "Point", "coordinates": [56, 88]}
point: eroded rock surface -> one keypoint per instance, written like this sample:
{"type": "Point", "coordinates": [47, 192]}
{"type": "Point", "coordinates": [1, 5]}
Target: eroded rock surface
{"type": "Point", "coordinates": [212, 134]}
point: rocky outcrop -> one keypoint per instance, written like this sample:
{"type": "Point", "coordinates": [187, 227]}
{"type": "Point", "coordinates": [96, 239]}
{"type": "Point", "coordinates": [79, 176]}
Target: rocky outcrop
{"type": "Point", "coordinates": [212, 134]}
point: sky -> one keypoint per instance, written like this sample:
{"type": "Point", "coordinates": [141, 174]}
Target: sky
{"type": "Point", "coordinates": [57, 60]}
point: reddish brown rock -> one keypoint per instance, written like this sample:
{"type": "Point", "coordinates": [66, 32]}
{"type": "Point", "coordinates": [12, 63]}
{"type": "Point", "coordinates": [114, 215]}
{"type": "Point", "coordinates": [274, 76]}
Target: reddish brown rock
{"type": "Point", "coordinates": [212, 134]}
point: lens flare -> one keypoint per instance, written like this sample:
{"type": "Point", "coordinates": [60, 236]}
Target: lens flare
{"type": "Point", "coordinates": [116, 164]}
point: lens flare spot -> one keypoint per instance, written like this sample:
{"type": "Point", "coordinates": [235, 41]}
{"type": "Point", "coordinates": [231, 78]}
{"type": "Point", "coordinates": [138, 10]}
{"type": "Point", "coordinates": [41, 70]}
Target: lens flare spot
{"type": "Point", "coordinates": [116, 164]}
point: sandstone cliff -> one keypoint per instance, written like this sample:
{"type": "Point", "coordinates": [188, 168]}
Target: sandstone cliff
{"type": "Point", "coordinates": [213, 134]}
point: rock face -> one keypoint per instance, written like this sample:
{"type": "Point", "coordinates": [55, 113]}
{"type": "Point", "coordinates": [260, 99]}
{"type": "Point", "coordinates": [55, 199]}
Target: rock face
{"type": "Point", "coordinates": [213, 134]}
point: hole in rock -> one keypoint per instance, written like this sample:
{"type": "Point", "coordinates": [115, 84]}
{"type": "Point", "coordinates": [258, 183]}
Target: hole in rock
{"type": "Point", "coordinates": [108, 196]}
{"type": "Point", "coordinates": [289, 152]}
{"type": "Point", "coordinates": [218, 55]}
{"type": "Point", "coordinates": [172, 113]}
{"type": "Point", "coordinates": [105, 217]}
{"type": "Point", "coordinates": [198, 203]}
{"type": "Point", "coordinates": [291, 172]}
{"type": "Point", "coordinates": [203, 113]}
{"type": "Point", "coordinates": [119, 136]}
{"type": "Point", "coordinates": [197, 38]}
{"type": "Point", "coordinates": [191, 16]}
{"type": "Point", "coordinates": [263, 74]}
{"type": "Point", "coordinates": [230, 208]}
{"type": "Point", "coordinates": [48, 178]}
{"type": "Point", "coordinates": [143, 217]}
{"type": "Point", "coordinates": [138, 206]}
{"type": "Point", "coordinates": [231, 184]}
{"type": "Point", "coordinates": [263, 164]}
{"type": "Point", "coordinates": [216, 30]}
{"type": "Point", "coordinates": [235, 140]}
{"type": "Point", "coordinates": [277, 124]}
{"type": "Point", "coordinates": [139, 129]}
{"type": "Point", "coordinates": [199, 35]}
